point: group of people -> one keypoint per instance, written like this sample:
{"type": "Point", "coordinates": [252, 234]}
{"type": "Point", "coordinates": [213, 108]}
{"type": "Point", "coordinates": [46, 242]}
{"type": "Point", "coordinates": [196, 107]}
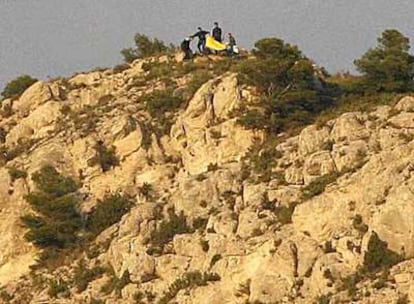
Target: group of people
{"type": "Point", "coordinates": [216, 34]}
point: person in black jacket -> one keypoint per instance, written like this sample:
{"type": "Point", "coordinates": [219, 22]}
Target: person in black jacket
{"type": "Point", "coordinates": [201, 35]}
{"type": "Point", "coordinates": [185, 47]}
{"type": "Point", "coordinates": [217, 33]}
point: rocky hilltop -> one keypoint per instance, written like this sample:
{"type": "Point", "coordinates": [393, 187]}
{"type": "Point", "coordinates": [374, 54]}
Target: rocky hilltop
{"type": "Point", "coordinates": [331, 221]}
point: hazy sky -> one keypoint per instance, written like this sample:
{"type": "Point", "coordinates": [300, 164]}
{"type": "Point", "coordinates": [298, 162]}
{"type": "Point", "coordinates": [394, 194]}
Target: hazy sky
{"type": "Point", "coordinates": [47, 38]}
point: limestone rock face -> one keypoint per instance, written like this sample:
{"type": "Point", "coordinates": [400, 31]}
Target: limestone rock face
{"type": "Point", "coordinates": [33, 97]}
{"type": "Point", "coordinates": [290, 229]}
{"type": "Point", "coordinates": [201, 135]}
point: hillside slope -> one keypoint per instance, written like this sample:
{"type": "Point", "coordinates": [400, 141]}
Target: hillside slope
{"type": "Point", "coordinates": [332, 220]}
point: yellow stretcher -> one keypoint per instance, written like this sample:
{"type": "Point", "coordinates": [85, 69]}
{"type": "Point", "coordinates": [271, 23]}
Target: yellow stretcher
{"type": "Point", "coordinates": [214, 45]}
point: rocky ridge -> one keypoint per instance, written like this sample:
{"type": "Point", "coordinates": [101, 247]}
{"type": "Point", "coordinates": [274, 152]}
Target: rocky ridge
{"type": "Point", "coordinates": [295, 237]}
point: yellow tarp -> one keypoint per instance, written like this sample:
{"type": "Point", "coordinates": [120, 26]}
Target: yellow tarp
{"type": "Point", "coordinates": [214, 45]}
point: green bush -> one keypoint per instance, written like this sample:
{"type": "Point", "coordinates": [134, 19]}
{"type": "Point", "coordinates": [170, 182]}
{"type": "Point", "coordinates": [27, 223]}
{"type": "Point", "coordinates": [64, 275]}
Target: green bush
{"type": "Point", "coordinates": [145, 47]}
{"type": "Point", "coordinates": [317, 186]}
{"type": "Point", "coordinates": [83, 275]}
{"type": "Point", "coordinates": [116, 284]}
{"type": "Point", "coordinates": [188, 280]}
{"type": "Point", "coordinates": [379, 256]}
{"type": "Point", "coordinates": [107, 212]}
{"type": "Point", "coordinates": [17, 86]}
{"type": "Point", "coordinates": [349, 284]}
{"type": "Point", "coordinates": [324, 299]}
{"type": "Point", "coordinates": [57, 221]}
{"type": "Point", "coordinates": [291, 93]}
{"type": "Point", "coordinates": [105, 157]}
{"type": "Point", "coordinates": [17, 173]}
{"type": "Point", "coordinates": [159, 102]}
{"type": "Point", "coordinates": [389, 67]}
{"type": "Point", "coordinates": [168, 228]}
{"type": "Point", "coordinates": [359, 224]}
{"type": "Point", "coordinates": [58, 288]}
{"type": "Point", "coordinates": [198, 78]}
{"type": "Point", "coordinates": [146, 190]}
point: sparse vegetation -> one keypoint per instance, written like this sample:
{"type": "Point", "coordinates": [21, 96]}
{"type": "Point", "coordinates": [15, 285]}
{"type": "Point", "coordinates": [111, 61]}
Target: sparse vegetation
{"type": "Point", "coordinates": [317, 186]}
{"type": "Point", "coordinates": [105, 157]}
{"type": "Point", "coordinates": [84, 275]}
{"type": "Point", "coordinates": [159, 102]}
{"type": "Point", "coordinates": [58, 288]}
{"type": "Point", "coordinates": [359, 224]}
{"type": "Point", "coordinates": [291, 97]}
{"type": "Point", "coordinates": [145, 47]}
{"type": "Point", "coordinates": [187, 281]}
{"type": "Point", "coordinates": [16, 173]}
{"type": "Point", "coordinates": [107, 212]}
{"type": "Point", "coordinates": [379, 256]}
{"type": "Point", "coordinates": [168, 228]}
{"type": "Point", "coordinates": [115, 284]}
{"type": "Point", "coordinates": [17, 86]}
{"type": "Point", "coordinates": [146, 190]}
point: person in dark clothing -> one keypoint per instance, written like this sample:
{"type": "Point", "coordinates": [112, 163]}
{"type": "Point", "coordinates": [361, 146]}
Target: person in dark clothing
{"type": "Point", "coordinates": [185, 47]}
{"type": "Point", "coordinates": [201, 35]}
{"type": "Point", "coordinates": [232, 45]}
{"type": "Point", "coordinates": [216, 32]}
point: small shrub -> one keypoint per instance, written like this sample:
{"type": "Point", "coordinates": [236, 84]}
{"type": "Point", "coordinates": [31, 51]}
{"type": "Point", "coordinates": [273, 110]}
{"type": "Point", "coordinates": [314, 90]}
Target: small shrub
{"type": "Point", "coordinates": [57, 288]}
{"type": "Point", "coordinates": [17, 173]}
{"type": "Point", "coordinates": [145, 47]}
{"type": "Point", "coordinates": [217, 257]}
{"type": "Point", "coordinates": [146, 190]}
{"type": "Point", "coordinates": [284, 214]}
{"type": "Point", "coordinates": [378, 255]}
{"type": "Point", "coordinates": [200, 223]}
{"type": "Point", "coordinates": [159, 102]}
{"type": "Point", "coordinates": [83, 275]}
{"type": "Point", "coordinates": [204, 245]}
{"type": "Point", "coordinates": [120, 68]}
{"type": "Point", "coordinates": [382, 279]}
{"type": "Point", "coordinates": [188, 280]}
{"type": "Point", "coordinates": [359, 224]}
{"type": "Point", "coordinates": [106, 157]}
{"type": "Point", "coordinates": [199, 77]}
{"type": "Point", "coordinates": [350, 284]}
{"type": "Point", "coordinates": [116, 284]}
{"type": "Point", "coordinates": [317, 186]}
{"type": "Point", "coordinates": [328, 248]}
{"type": "Point", "coordinates": [324, 299]}
{"type": "Point", "coordinates": [107, 212]}
{"type": "Point", "coordinates": [17, 86]}
{"type": "Point", "coordinates": [168, 228]}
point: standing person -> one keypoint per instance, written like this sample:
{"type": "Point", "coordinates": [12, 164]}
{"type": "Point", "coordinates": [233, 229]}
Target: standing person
{"type": "Point", "coordinates": [201, 35]}
{"type": "Point", "coordinates": [216, 32]}
{"type": "Point", "coordinates": [232, 45]}
{"type": "Point", "coordinates": [185, 47]}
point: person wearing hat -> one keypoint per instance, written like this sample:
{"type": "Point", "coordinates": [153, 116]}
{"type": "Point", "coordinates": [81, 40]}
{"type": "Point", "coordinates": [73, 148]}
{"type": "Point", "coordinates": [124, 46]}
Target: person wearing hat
{"type": "Point", "coordinates": [201, 35]}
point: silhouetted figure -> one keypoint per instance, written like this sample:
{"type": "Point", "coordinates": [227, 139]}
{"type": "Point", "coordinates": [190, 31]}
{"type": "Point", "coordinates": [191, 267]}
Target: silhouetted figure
{"type": "Point", "coordinates": [185, 47]}
{"type": "Point", "coordinates": [217, 33]}
{"type": "Point", "coordinates": [201, 35]}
